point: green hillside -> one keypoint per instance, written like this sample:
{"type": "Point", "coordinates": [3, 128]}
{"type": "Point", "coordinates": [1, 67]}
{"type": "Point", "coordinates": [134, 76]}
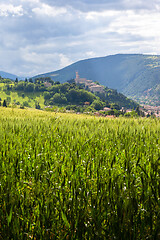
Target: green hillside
{"type": "Point", "coordinates": [134, 75]}
{"type": "Point", "coordinates": [45, 92]}
{"type": "Point", "coordinates": [19, 98]}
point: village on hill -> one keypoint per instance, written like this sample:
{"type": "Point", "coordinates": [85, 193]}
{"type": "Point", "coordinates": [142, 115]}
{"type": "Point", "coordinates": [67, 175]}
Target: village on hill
{"type": "Point", "coordinates": [147, 110]}
{"type": "Point", "coordinates": [89, 84]}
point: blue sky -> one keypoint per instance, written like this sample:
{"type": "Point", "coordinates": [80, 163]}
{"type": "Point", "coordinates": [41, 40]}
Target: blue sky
{"type": "Point", "coordinates": [38, 36]}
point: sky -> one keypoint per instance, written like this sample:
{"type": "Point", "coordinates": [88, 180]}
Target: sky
{"type": "Point", "coordinates": [39, 36]}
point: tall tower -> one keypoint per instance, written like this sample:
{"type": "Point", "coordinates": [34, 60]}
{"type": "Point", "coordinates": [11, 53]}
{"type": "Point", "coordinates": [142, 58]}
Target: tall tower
{"type": "Point", "coordinates": [77, 77]}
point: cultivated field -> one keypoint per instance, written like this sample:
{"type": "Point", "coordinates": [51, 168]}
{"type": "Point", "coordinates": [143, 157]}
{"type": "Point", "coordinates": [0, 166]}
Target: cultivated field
{"type": "Point", "coordinates": [66, 176]}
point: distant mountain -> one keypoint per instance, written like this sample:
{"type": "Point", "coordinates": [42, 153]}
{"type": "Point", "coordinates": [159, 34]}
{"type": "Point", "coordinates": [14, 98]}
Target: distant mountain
{"type": "Point", "coordinates": [134, 75]}
{"type": "Point", "coordinates": [10, 76]}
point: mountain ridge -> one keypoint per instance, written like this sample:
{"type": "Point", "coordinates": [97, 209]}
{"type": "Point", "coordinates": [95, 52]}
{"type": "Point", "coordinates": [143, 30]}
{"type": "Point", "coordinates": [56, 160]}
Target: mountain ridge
{"type": "Point", "coordinates": [10, 75]}
{"type": "Point", "coordinates": [130, 74]}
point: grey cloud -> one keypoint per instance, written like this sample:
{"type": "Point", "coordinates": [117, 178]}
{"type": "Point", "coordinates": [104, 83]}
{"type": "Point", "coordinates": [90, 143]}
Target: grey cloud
{"type": "Point", "coordinates": [96, 5]}
{"type": "Point", "coordinates": [37, 42]}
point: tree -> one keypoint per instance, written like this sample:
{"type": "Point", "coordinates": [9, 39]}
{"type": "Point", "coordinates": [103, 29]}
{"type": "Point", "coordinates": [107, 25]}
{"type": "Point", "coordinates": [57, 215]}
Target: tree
{"type": "Point", "coordinates": [115, 106]}
{"type": "Point", "coordinates": [37, 106]}
{"type": "Point", "coordinates": [58, 98]}
{"type": "Point", "coordinates": [73, 96]}
{"type": "Point", "coordinates": [4, 103]}
{"type": "Point", "coordinates": [47, 95]}
{"type": "Point", "coordinates": [97, 104]}
{"type": "Point", "coordinates": [57, 82]}
{"type": "Point", "coordinates": [137, 110]}
{"type": "Point", "coordinates": [29, 87]}
{"type": "Point", "coordinates": [25, 104]}
{"type": "Point", "coordinates": [20, 86]}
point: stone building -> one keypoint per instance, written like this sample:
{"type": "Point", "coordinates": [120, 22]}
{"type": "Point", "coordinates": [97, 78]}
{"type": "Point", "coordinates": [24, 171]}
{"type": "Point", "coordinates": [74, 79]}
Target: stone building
{"type": "Point", "coordinates": [93, 87]}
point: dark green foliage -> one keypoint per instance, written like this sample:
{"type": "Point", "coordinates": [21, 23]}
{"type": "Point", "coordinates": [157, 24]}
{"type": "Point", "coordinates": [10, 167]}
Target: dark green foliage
{"type": "Point", "coordinates": [57, 82]}
{"type": "Point", "coordinates": [47, 95]}
{"type": "Point", "coordinates": [79, 96]}
{"type": "Point", "coordinates": [29, 87]}
{"type": "Point", "coordinates": [116, 100]}
{"type": "Point", "coordinates": [58, 99]}
{"type": "Point", "coordinates": [37, 106]}
{"type": "Point", "coordinates": [22, 107]}
{"type": "Point", "coordinates": [2, 80]}
{"type": "Point", "coordinates": [113, 112]}
{"type": "Point", "coordinates": [25, 104]}
{"type": "Point", "coordinates": [20, 86]}
{"type": "Point", "coordinates": [97, 104]}
{"type": "Point", "coordinates": [4, 103]}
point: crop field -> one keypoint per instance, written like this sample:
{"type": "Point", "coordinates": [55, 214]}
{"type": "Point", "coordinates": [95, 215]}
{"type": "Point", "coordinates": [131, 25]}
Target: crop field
{"type": "Point", "coordinates": [68, 176]}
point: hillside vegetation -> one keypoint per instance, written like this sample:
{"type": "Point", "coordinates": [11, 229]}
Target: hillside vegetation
{"type": "Point", "coordinates": [135, 75]}
{"type": "Point", "coordinates": [46, 92]}
{"type": "Point", "coordinates": [68, 176]}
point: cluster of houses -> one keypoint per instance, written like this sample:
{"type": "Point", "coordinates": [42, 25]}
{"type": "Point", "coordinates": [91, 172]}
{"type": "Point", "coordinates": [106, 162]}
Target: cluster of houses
{"type": "Point", "coordinates": [147, 111]}
{"type": "Point", "coordinates": [151, 110]}
{"type": "Point", "coordinates": [89, 84]}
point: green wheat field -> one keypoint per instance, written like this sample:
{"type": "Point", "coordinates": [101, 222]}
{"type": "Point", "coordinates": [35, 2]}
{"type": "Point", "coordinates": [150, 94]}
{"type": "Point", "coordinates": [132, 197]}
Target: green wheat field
{"type": "Point", "coordinates": [68, 176]}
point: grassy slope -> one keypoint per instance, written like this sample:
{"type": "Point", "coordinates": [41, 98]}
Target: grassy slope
{"type": "Point", "coordinates": [31, 98]}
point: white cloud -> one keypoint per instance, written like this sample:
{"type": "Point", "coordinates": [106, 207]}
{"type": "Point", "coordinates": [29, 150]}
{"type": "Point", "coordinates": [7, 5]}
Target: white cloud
{"type": "Point", "coordinates": [51, 11]}
{"type": "Point", "coordinates": [30, 1]}
{"type": "Point", "coordinates": [9, 9]}
{"type": "Point", "coordinates": [90, 54]}
{"type": "Point", "coordinates": [64, 61]}
{"type": "Point", "coordinates": [137, 24]}
{"type": "Point", "coordinates": [93, 15]}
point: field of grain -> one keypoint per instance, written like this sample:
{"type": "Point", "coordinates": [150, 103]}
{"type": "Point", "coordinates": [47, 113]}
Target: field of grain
{"type": "Point", "coordinates": [68, 176]}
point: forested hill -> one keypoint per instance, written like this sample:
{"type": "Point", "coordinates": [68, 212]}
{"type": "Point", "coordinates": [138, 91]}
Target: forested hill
{"type": "Point", "coordinates": [130, 74]}
{"type": "Point", "coordinates": [66, 94]}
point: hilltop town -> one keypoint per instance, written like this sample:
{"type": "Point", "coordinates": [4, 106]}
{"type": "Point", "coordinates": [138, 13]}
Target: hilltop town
{"type": "Point", "coordinates": [146, 110]}
{"type": "Point", "coordinates": [89, 84]}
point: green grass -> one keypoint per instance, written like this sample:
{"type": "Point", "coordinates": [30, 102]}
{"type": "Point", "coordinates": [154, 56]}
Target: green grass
{"type": "Point", "coordinates": [68, 176]}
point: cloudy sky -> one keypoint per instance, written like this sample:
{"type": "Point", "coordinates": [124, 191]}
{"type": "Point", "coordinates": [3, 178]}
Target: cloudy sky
{"type": "Point", "coordinates": [38, 36]}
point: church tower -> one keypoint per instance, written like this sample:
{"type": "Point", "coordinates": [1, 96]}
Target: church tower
{"type": "Point", "coordinates": [77, 77]}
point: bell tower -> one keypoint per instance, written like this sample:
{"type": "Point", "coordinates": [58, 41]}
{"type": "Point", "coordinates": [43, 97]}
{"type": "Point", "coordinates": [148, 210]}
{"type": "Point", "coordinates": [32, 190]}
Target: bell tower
{"type": "Point", "coordinates": [77, 76]}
